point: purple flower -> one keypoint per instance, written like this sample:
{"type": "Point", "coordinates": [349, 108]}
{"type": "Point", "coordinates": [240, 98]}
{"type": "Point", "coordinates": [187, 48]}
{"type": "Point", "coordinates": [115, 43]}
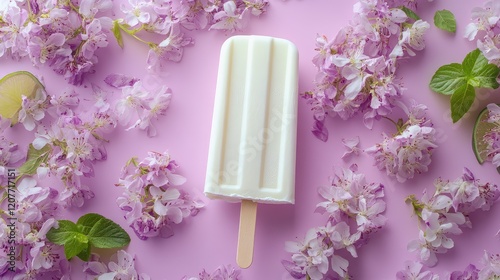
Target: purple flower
{"type": "Point", "coordinates": [357, 69]}
{"type": "Point", "coordinates": [133, 99]}
{"type": "Point", "coordinates": [310, 257]}
{"type": "Point", "coordinates": [409, 152]}
{"type": "Point", "coordinates": [470, 273]}
{"type": "Point", "coordinates": [221, 273]}
{"type": "Point", "coordinates": [491, 263]}
{"type": "Point", "coordinates": [93, 39]}
{"type": "Point", "coordinates": [152, 110]}
{"type": "Point", "coordinates": [170, 49]}
{"type": "Point", "coordinates": [121, 266]}
{"type": "Point", "coordinates": [443, 214]}
{"type": "Point", "coordinates": [413, 271]}
{"type": "Point", "coordinates": [120, 81]}
{"type": "Point", "coordinates": [319, 130]}
{"type": "Point", "coordinates": [14, 32]}
{"type": "Point", "coordinates": [484, 23]}
{"type": "Point", "coordinates": [230, 18]}
{"type": "Point", "coordinates": [354, 208]}
{"type": "Point", "coordinates": [411, 39]}
{"type": "Point", "coordinates": [63, 104]}
{"type": "Point", "coordinates": [43, 50]}
{"type": "Point", "coordinates": [152, 200]}
{"type": "Point", "coordinates": [89, 8]}
{"type": "Point", "coordinates": [351, 146]}
{"type": "Point", "coordinates": [33, 110]}
{"type": "Point", "coordinates": [139, 12]}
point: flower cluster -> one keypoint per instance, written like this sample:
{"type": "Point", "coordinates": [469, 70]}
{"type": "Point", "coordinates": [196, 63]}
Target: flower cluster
{"type": "Point", "coordinates": [67, 34]}
{"type": "Point", "coordinates": [490, 270]}
{"type": "Point", "coordinates": [151, 200]}
{"type": "Point", "coordinates": [56, 33]}
{"type": "Point", "coordinates": [409, 151]}
{"type": "Point", "coordinates": [354, 208]}
{"type": "Point", "coordinates": [356, 70]}
{"type": "Point", "coordinates": [172, 18]}
{"type": "Point", "coordinates": [492, 137]}
{"type": "Point", "coordinates": [65, 148]}
{"type": "Point", "coordinates": [221, 273]}
{"type": "Point", "coordinates": [26, 226]}
{"type": "Point", "coordinates": [67, 143]}
{"type": "Point", "coordinates": [138, 102]}
{"type": "Point", "coordinates": [485, 23]}
{"type": "Point", "coordinates": [70, 145]}
{"type": "Point", "coordinates": [121, 266]}
{"type": "Point", "coordinates": [445, 212]}
{"type": "Point", "coordinates": [415, 270]}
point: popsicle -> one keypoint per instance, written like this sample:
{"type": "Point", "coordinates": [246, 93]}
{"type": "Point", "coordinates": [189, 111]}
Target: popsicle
{"type": "Point", "coordinates": [253, 138]}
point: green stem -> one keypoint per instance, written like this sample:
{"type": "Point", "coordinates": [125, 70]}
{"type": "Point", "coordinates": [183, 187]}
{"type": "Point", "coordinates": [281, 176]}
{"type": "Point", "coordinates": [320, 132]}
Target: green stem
{"type": "Point", "coordinates": [74, 8]}
{"type": "Point", "coordinates": [79, 48]}
{"type": "Point", "coordinates": [398, 127]}
{"type": "Point", "coordinates": [132, 33]}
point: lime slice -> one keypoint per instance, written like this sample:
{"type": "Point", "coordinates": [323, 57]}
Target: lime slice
{"type": "Point", "coordinates": [481, 127]}
{"type": "Point", "coordinates": [12, 87]}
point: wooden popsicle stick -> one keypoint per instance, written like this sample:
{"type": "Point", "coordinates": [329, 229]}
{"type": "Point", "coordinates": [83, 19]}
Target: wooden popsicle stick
{"type": "Point", "coordinates": [248, 216]}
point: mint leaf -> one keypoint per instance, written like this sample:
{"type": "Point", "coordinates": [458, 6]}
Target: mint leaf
{"type": "Point", "coordinates": [448, 78]}
{"type": "Point", "coordinates": [90, 230]}
{"type": "Point", "coordinates": [486, 78]}
{"type": "Point", "coordinates": [460, 80]}
{"type": "Point", "coordinates": [107, 234]}
{"type": "Point", "coordinates": [66, 231]}
{"type": "Point", "coordinates": [69, 235]}
{"type": "Point", "coordinates": [74, 247]}
{"type": "Point", "coordinates": [479, 72]}
{"type": "Point", "coordinates": [34, 159]}
{"type": "Point", "coordinates": [84, 255]}
{"type": "Point", "coordinates": [445, 20]}
{"type": "Point", "coordinates": [461, 101]}
{"type": "Point", "coordinates": [473, 62]}
{"type": "Point", "coordinates": [409, 13]}
{"type": "Point", "coordinates": [88, 221]}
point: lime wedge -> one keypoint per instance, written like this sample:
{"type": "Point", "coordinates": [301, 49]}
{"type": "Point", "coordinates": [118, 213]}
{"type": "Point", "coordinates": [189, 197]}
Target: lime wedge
{"type": "Point", "coordinates": [481, 127]}
{"type": "Point", "coordinates": [12, 87]}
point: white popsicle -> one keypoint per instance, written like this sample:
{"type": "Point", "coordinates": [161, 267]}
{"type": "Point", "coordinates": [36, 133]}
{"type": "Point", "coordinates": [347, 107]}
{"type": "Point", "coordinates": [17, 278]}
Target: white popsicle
{"type": "Point", "coordinates": [252, 143]}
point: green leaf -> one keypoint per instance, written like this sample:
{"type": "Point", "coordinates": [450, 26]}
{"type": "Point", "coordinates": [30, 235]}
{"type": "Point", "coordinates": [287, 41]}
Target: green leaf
{"type": "Point", "coordinates": [117, 32]}
{"type": "Point", "coordinates": [409, 13]}
{"type": "Point", "coordinates": [448, 78]}
{"type": "Point", "coordinates": [461, 101]}
{"type": "Point", "coordinates": [66, 231]}
{"type": "Point", "coordinates": [486, 78]}
{"type": "Point", "coordinates": [87, 221]}
{"type": "Point", "coordinates": [90, 230]}
{"type": "Point", "coordinates": [34, 159]}
{"type": "Point", "coordinates": [460, 80]}
{"type": "Point", "coordinates": [84, 255]}
{"type": "Point", "coordinates": [473, 62]}
{"type": "Point", "coordinates": [105, 233]}
{"type": "Point", "coordinates": [445, 20]}
{"type": "Point", "coordinates": [74, 247]}
{"type": "Point", "coordinates": [69, 235]}
{"type": "Point", "coordinates": [478, 70]}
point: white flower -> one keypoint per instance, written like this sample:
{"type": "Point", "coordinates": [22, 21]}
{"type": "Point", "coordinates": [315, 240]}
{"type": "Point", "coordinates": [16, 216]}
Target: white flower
{"type": "Point", "coordinates": [411, 39]}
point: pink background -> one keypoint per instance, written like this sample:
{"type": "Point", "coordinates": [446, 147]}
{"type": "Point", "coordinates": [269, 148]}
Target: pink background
{"type": "Point", "coordinates": [209, 239]}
